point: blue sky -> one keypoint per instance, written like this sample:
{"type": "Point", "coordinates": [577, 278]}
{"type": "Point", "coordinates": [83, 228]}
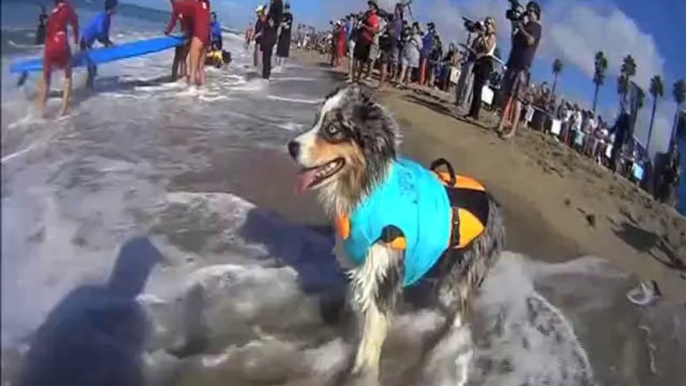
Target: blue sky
{"type": "Point", "coordinates": [652, 31]}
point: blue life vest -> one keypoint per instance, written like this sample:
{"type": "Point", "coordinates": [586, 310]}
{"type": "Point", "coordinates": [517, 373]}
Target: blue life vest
{"type": "Point", "coordinates": [98, 29]}
{"type": "Point", "coordinates": [411, 196]}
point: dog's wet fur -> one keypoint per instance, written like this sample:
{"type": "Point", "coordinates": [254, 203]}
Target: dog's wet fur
{"type": "Point", "coordinates": [354, 128]}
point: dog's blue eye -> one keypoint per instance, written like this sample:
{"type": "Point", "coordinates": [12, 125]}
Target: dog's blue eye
{"type": "Point", "coordinates": [332, 130]}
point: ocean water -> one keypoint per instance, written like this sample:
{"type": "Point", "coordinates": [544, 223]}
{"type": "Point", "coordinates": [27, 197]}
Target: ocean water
{"type": "Point", "coordinates": [231, 291]}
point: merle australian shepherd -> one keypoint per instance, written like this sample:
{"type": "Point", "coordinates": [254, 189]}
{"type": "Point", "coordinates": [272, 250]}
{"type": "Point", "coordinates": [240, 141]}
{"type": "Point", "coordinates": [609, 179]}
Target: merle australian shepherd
{"type": "Point", "coordinates": [346, 157]}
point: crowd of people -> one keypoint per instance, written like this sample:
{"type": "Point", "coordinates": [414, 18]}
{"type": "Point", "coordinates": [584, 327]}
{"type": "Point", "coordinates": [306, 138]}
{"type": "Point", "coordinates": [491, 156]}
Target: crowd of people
{"type": "Point", "coordinates": [406, 54]}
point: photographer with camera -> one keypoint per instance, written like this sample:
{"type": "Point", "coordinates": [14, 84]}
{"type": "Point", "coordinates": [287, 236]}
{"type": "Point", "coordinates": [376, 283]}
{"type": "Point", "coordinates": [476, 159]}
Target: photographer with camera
{"type": "Point", "coordinates": [463, 91]}
{"type": "Point", "coordinates": [483, 48]}
{"type": "Point", "coordinates": [526, 34]}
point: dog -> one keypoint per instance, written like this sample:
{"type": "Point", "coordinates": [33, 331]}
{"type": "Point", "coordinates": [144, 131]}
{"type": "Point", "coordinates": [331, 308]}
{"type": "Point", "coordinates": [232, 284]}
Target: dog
{"type": "Point", "coordinates": [218, 58]}
{"type": "Point", "coordinates": [393, 236]}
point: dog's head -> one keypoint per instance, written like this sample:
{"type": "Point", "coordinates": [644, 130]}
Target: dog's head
{"type": "Point", "coordinates": [349, 149]}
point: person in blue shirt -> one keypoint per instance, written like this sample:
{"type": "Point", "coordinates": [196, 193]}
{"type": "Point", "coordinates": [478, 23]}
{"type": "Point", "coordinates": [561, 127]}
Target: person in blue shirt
{"type": "Point", "coordinates": [98, 29]}
{"type": "Point", "coordinates": [217, 42]}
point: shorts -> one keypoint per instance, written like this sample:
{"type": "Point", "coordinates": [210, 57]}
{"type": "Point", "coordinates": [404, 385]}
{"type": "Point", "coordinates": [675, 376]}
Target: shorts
{"type": "Point", "coordinates": [361, 51]}
{"type": "Point", "coordinates": [410, 59]}
{"type": "Point", "coordinates": [515, 83]}
{"type": "Point", "coordinates": [57, 53]}
{"type": "Point", "coordinates": [351, 48]}
{"type": "Point", "coordinates": [389, 55]}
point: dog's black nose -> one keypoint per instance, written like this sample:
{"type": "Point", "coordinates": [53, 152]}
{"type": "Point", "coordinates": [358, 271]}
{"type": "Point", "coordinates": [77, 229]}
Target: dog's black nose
{"type": "Point", "coordinates": [294, 148]}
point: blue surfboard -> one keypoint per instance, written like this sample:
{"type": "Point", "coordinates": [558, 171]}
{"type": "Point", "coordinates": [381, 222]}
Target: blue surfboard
{"type": "Point", "coordinates": [106, 55]}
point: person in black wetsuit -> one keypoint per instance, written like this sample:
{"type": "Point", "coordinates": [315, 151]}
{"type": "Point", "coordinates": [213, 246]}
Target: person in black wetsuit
{"type": "Point", "coordinates": [283, 47]}
{"type": "Point", "coordinates": [269, 35]}
{"type": "Point", "coordinates": [42, 24]}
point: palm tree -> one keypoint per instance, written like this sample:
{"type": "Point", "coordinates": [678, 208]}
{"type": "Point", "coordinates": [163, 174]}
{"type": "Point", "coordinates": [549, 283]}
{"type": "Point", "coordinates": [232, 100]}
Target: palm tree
{"type": "Point", "coordinates": [599, 76]}
{"type": "Point", "coordinates": [679, 93]}
{"type": "Point", "coordinates": [557, 69]}
{"type": "Point", "coordinates": [657, 91]}
{"type": "Point", "coordinates": [627, 71]}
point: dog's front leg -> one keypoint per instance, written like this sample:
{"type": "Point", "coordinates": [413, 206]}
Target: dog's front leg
{"type": "Point", "coordinates": [376, 286]}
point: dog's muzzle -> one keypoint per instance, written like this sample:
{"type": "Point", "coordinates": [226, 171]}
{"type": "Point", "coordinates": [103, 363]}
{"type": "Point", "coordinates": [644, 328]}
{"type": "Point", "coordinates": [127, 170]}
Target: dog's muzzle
{"type": "Point", "coordinates": [294, 149]}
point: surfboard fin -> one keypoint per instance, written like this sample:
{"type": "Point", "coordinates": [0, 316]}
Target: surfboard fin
{"type": "Point", "coordinates": [22, 79]}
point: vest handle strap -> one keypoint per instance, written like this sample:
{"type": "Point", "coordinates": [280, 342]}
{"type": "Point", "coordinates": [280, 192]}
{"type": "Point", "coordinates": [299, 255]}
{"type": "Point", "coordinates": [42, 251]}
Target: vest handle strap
{"type": "Point", "coordinates": [443, 162]}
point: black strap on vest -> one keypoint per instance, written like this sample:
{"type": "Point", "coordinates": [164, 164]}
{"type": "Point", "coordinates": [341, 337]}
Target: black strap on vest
{"type": "Point", "coordinates": [443, 162]}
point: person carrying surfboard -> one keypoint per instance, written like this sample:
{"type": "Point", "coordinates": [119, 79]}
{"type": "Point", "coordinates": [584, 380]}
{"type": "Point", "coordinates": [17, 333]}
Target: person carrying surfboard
{"type": "Point", "coordinates": [183, 11]}
{"type": "Point", "coordinates": [98, 29]}
{"type": "Point", "coordinates": [199, 43]}
{"type": "Point", "coordinates": [57, 53]}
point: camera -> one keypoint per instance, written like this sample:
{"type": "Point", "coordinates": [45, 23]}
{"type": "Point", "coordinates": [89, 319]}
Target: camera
{"type": "Point", "coordinates": [472, 26]}
{"type": "Point", "coordinates": [516, 12]}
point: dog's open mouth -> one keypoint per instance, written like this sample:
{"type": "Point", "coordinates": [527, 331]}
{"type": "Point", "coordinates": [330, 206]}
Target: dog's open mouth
{"type": "Point", "coordinates": [311, 178]}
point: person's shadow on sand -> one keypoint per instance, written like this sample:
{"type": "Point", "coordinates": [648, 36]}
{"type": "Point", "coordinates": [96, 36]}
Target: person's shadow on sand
{"type": "Point", "coordinates": [649, 242]}
{"type": "Point", "coordinates": [95, 335]}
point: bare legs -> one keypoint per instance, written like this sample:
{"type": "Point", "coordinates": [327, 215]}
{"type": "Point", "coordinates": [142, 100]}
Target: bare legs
{"type": "Point", "coordinates": [66, 97]}
{"type": "Point", "coordinates": [196, 70]}
{"type": "Point", "coordinates": [201, 66]}
{"type": "Point", "coordinates": [179, 67]}
{"type": "Point", "coordinates": [44, 90]}
{"type": "Point", "coordinates": [512, 112]}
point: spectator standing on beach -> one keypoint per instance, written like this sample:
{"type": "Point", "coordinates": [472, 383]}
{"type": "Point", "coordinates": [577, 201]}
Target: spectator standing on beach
{"type": "Point", "coordinates": [434, 61]}
{"type": "Point", "coordinates": [411, 52]}
{"type": "Point", "coordinates": [257, 37]}
{"type": "Point", "coordinates": [283, 47]}
{"type": "Point", "coordinates": [249, 32]}
{"type": "Point", "coordinates": [483, 65]}
{"type": "Point", "coordinates": [463, 94]}
{"type": "Point", "coordinates": [391, 46]}
{"type": "Point", "coordinates": [351, 29]}
{"type": "Point", "coordinates": [427, 47]}
{"type": "Point", "coordinates": [375, 49]}
{"type": "Point", "coordinates": [273, 21]}
{"type": "Point", "coordinates": [526, 34]}
{"type": "Point", "coordinates": [368, 28]}
{"type": "Point", "coordinates": [449, 61]}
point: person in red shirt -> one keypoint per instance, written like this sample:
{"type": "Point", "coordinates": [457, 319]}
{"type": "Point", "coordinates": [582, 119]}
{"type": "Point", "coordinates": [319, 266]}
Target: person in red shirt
{"type": "Point", "coordinates": [200, 42]}
{"type": "Point", "coordinates": [57, 53]}
{"type": "Point", "coordinates": [367, 30]}
{"type": "Point", "coordinates": [183, 11]}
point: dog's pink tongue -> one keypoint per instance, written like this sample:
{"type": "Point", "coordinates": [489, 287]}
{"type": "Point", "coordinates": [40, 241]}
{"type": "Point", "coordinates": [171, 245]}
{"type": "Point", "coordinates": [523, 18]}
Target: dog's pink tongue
{"type": "Point", "coordinates": [304, 180]}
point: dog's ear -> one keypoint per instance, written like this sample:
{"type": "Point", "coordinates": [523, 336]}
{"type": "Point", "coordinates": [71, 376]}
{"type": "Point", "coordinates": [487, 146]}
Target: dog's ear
{"type": "Point", "coordinates": [363, 95]}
